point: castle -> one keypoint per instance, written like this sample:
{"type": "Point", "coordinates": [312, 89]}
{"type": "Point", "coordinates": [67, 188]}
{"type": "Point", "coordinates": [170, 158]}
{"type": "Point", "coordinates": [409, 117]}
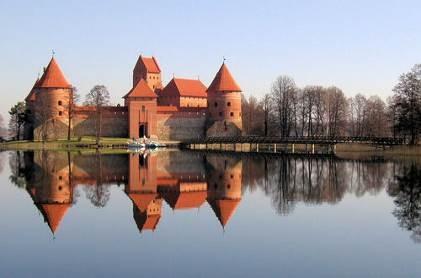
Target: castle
{"type": "Point", "coordinates": [183, 109]}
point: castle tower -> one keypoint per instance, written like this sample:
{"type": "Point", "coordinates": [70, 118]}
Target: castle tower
{"type": "Point", "coordinates": [51, 103]}
{"type": "Point", "coordinates": [224, 187]}
{"type": "Point", "coordinates": [148, 69]}
{"type": "Point", "coordinates": [50, 187]}
{"type": "Point", "coordinates": [141, 102]}
{"type": "Point", "coordinates": [142, 191]}
{"type": "Point", "coordinates": [224, 105]}
{"type": "Point", "coordinates": [30, 108]}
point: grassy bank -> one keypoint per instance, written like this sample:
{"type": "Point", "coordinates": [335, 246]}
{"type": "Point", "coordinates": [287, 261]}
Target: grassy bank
{"type": "Point", "coordinates": [84, 143]}
{"type": "Point", "coordinates": [363, 151]}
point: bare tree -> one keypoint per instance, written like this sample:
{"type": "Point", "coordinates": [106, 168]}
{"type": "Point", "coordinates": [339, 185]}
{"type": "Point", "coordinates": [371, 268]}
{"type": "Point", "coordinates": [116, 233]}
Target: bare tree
{"type": "Point", "coordinates": [284, 93]}
{"type": "Point", "coordinates": [336, 111]}
{"type": "Point", "coordinates": [98, 97]}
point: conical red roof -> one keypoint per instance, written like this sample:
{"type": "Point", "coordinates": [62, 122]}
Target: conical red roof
{"type": "Point", "coordinates": [53, 77]}
{"type": "Point", "coordinates": [224, 82]}
{"type": "Point", "coordinates": [224, 209]}
{"type": "Point", "coordinates": [141, 89]}
{"type": "Point", "coordinates": [53, 214]}
{"type": "Point", "coordinates": [31, 95]}
{"type": "Point", "coordinates": [142, 200]}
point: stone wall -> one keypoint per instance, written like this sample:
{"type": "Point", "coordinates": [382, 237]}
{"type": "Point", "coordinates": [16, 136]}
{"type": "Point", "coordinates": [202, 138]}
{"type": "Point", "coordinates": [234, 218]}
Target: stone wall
{"type": "Point", "coordinates": [114, 122]}
{"type": "Point", "coordinates": [181, 125]}
{"type": "Point", "coordinates": [223, 129]}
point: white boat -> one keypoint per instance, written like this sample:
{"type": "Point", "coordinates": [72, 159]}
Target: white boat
{"type": "Point", "coordinates": [142, 143]}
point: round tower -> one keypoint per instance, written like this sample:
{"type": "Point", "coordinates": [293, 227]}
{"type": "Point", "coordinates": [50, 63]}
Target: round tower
{"type": "Point", "coordinates": [224, 105]}
{"type": "Point", "coordinates": [52, 103]}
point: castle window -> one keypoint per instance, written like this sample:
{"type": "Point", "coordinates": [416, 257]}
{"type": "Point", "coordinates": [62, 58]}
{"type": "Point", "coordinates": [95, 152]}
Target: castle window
{"type": "Point", "coordinates": [60, 113]}
{"type": "Point", "coordinates": [232, 114]}
{"type": "Point", "coordinates": [229, 104]}
{"type": "Point", "coordinates": [216, 104]}
{"type": "Point", "coordinates": [60, 103]}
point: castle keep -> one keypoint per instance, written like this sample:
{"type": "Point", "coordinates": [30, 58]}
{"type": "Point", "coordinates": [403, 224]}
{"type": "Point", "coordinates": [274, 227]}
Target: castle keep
{"type": "Point", "coordinates": [183, 109]}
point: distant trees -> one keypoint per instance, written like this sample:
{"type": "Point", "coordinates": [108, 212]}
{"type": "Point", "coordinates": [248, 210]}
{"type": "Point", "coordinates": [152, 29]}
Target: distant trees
{"type": "Point", "coordinates": [3, 132]}
{"type": "Point", "coordinates": [319, 111]}
{"type": "Point", "coordinates": [284, 97]}
{"type": "Point", "coordinates": [17, 119]}
{"type": "Point", "coordinates": [99, 96]}
{"type": "Point", "coordinates": [406, 104]}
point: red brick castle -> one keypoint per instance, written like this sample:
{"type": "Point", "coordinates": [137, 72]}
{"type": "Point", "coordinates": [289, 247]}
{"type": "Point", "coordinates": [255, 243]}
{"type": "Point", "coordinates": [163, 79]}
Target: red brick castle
{"type": "Point", "coordinates": [183, 109]}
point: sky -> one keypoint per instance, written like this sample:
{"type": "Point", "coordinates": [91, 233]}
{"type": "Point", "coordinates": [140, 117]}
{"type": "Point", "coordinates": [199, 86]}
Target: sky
{"type": "Point", "coordinates": [359, 46]}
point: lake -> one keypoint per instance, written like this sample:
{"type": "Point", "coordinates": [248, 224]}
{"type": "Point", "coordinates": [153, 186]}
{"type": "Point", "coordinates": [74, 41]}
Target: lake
{"type": "Point", "coordinates": [195, 214]}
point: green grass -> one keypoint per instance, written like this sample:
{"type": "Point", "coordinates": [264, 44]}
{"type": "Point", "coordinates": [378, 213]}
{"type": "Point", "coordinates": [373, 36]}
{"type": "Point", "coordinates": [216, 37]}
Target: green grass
{"type": "Point", "coordinates": [82, 143]}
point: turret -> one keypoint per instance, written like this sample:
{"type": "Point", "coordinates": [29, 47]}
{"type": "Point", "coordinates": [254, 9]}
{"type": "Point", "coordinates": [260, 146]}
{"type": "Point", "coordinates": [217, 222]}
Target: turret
{"type": "Point", "coordinates": [148, 69]}
{"type": "Point", "coordinates": [224, 187]}
{"type": "Point", "coordinates": [51, 104]}
{"type": "Point", "coordinates": [141, 102]}
{"type": "Point", "coordinates": [224, 105]}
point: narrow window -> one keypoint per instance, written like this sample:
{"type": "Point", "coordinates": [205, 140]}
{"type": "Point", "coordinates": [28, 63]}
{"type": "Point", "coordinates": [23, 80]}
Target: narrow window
{"type": "Point", "coordinates": [220, 114]}
{"type": "Point", "coordinates": [229, 104]}
{"type": "Point", "coordinates": [232, 114]}
{"type": "Point", "coordinates": [216, 104]}
{"type": "Point", "coordinates": [60, 103]}
{"type": "Point", "coordinates": [60, 113]}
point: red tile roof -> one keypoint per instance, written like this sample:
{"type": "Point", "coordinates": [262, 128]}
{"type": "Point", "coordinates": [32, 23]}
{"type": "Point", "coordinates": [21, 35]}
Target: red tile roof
{"type": "Point", "coordinates": [185, 200]}
{"type": "Point", "coordinates": [224, 82]}
{"type": "Point", "coordinates": [144, 221]}
{"type": "Point", "coordinates": [53, 77]}
{"type": "Point", "coordinates": [53, 214]}
{"type": "Point", "coordinates": [31, 95]}
{"type": "Point", "coordinates": [185, 88]}
{"type": "Point", "coordinates": [224, 209]}
{"type": "Point", "coordinates": [141, 89]}
{"type": "Point", "coordinates": [150, 64]}
{"type": "Point", "coordinates": [142, 200]}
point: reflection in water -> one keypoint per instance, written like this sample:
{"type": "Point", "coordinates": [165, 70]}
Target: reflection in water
{"type": "Point", "coordinates": [188, 180]}
{"type": "Point", "coordinates": [407, 193]}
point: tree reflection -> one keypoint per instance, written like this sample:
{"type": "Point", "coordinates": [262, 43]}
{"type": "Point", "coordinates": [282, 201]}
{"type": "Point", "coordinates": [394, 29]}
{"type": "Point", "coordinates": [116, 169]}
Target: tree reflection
{"type": "Point", "coordinates": [407, 193]}
{"type": "Point", "coordinates": [289, 180]}
{"type": "Point", "coordinates": [17, 173]}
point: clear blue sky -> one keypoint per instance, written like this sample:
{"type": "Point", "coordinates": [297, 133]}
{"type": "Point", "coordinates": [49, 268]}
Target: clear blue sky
{"type": "Point", "coordinates": [359, 46]}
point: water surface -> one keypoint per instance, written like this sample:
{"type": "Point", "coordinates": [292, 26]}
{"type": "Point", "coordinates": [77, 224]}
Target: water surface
{"type": "Point", "coordinates": [188, 214]}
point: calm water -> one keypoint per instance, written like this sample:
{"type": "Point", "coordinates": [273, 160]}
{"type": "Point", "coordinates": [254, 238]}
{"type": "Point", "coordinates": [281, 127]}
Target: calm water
{"type": "Point", "coordinates": [185, 214]}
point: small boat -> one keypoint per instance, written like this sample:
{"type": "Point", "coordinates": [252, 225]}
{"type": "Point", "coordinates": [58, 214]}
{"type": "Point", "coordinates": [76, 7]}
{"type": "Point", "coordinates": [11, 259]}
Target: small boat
{"type": "Point", "coordinates": [142, 143]}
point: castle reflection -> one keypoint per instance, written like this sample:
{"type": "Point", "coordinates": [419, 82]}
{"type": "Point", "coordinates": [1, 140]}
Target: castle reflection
{"type": "Point", "coordinates": [181, 180]}
{"type": "Point", "coordinates": [189, 180]}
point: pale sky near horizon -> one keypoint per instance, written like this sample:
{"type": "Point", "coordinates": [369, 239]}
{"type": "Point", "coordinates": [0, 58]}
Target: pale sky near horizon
{"type": "Point", "coordinates": [359, 46]}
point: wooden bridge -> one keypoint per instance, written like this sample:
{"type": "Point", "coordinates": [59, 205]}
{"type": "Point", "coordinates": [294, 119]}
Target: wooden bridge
{"type": "Point", "coordinates": [305, 144]}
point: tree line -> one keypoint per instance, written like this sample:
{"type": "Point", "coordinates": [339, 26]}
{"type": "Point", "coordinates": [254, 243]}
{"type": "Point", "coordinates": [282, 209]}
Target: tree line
{"type": "Point", "coordinates": [288, 110]}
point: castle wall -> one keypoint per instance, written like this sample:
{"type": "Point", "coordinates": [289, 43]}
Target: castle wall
{"type": "Point", "coordinates": [181, 125]}
{"type": "Point", "coordinates": [114, 122]}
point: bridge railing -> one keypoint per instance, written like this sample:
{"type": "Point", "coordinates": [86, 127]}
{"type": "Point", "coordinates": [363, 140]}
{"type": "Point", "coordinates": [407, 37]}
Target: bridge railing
{"type": "Point", "coordinates": [298, 140]}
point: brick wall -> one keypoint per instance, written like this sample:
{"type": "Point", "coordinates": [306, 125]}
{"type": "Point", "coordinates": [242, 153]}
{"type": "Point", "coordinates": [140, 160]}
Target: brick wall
{"type": "Point", "coordinates": [181, 125]}
{"type": "Point", "coordinates": [114, 122]}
